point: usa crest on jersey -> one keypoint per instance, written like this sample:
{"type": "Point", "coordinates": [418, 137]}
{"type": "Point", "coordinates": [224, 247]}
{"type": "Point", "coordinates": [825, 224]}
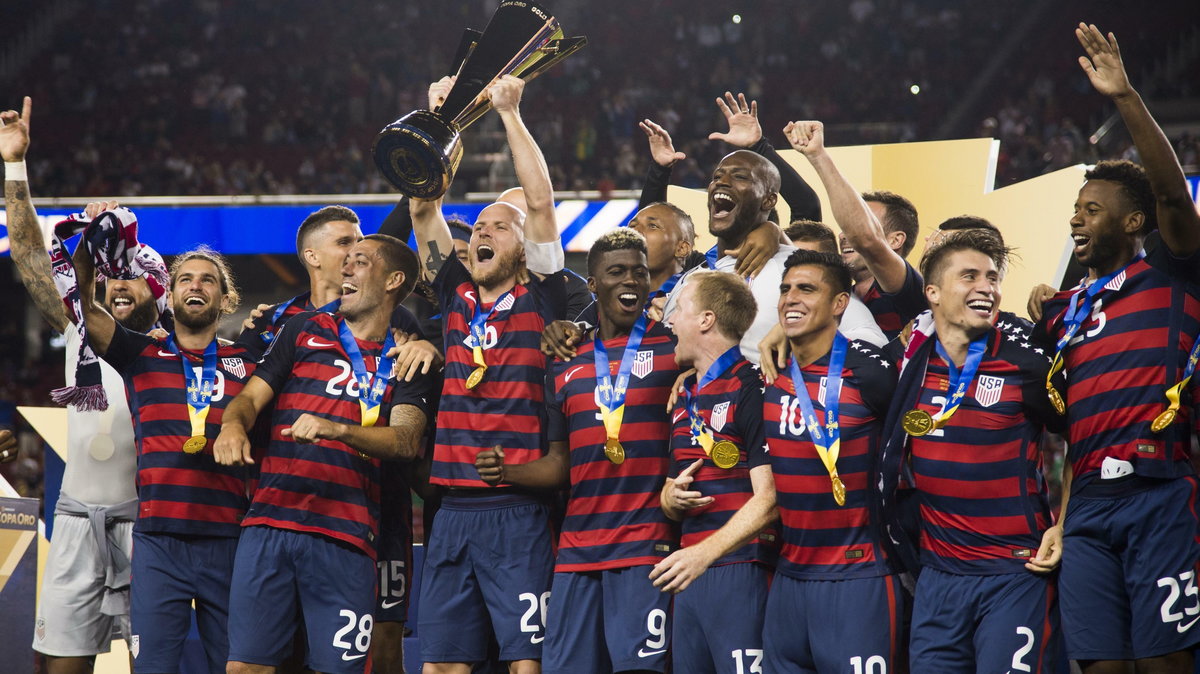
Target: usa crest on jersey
{"type": "Point", "coordinates": [235, 367]}
{"type": "Point", "coordinates": [720, 414]}
{"type": "Point", "coordinates": [988, 390]}
{"type": "Point", "coordinates": [643, 364]}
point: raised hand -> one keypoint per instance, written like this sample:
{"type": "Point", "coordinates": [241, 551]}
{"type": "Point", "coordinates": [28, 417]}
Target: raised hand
{"type": "Point", "coordinates": [505, 93]}
{"type": "Point", "coordinates": [439, 90]}
{"type": "Point", "coordinates": [742, 117]}
{"type": "Point", "coordinates": [8, 446]}
{"type": "Point", "coordinates": [14, 132]}
{"type": "Point", "coordinates": [1103, 63]}
{"type": "Point", "coordinates": [807, 138]}
{"type": "Point", "coordinates": [95, 208]}
{"type": "Point", "coordinates": [661, 149]}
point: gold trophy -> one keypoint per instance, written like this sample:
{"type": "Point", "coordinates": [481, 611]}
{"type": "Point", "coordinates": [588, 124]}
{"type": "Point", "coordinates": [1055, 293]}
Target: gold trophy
{"type": "Point", "coordinates": [419, 153]}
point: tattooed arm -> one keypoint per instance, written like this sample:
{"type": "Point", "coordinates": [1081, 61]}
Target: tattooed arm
{"type": "Point", "coordinates": [434, 243]}
{"type": "Point", "coordinates": [24, 233]}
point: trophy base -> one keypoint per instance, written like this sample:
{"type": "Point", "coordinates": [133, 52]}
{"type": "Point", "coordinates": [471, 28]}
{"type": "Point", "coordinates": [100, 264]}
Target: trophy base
{"type": "Point", "coordinates": [418, 154]}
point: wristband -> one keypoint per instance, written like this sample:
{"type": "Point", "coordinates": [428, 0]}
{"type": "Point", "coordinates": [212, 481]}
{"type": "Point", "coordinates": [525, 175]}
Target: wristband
{"type": "Point", "coordinates": [15, 170]}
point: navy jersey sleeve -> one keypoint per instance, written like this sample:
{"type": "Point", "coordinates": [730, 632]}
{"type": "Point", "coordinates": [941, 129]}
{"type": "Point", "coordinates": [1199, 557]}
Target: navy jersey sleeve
{"type": "Point", "coordinates": [125, 347]}
{"type": "Point", "coordinates": [655, 187]}
{"type": "Point", "coordinates": [398, 222]}
{"type": "Point", "coordinates": [910, 299]}
{"type": "Point", "coordinates": [1033, 392]}
{"type": "Point", "coordinates": [750, 423]}
{"type": "Point", "coordinates": [1185, 269]}
{"type": "Point", "coordinates": [579, 298]}
{"type": "Point", "coordinates": [452, 274]}
{"type": "Point", "coordinates": [876, 377]}
{"type": "Point", "coordinates": [418, 393]}
{"type": "Point", "coordinates": [405, 321]}
{"type": "Point", "coordinates": [277, 362]}
{"type": "Point", "coordinates": [556, 419]}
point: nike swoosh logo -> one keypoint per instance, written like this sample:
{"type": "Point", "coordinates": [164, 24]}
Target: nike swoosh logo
{"type": "Point", "coordinates": [571, 373]}
{"type": "Point", "coordinates": [313, 343]}
{"type": "Point", "coordinates": [469, 294]}
{"type": "Point", "coordinates": [643, 653]}
{"type": "Point", "coordinates": [536, 640]}
{"type": "Point", "coordinates": [347, 657]}
{"type": "Point", "coordinates": [389, 604]}
{"type": "Point", "coordinates": [164, 354]}
{"type": "Point", "coordinates": [1184, 628]}
{"type": "Point", "coordinates": [678, 416]}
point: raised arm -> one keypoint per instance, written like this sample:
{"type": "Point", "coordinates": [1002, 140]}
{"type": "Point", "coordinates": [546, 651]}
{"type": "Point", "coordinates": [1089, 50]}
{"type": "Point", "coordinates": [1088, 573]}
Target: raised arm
{"type": "Point", "coordinates": [434, 243]}
{"type": "Point", "coordinates": [24, 233]}
{"type": "Point", "coordinates": [862, 229]}
{"type": "Point", "coordinates": [532, 173]}
{"type": "Point", "coordinates": [1178, 222]}
{"type": "Point", "coordinates": [663, 152]}
{"type": "Point", "coordinates": [100, 323]}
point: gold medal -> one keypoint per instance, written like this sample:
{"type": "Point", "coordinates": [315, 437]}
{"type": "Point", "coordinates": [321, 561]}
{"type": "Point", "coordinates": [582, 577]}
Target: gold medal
{"type": "Point", "coordinates": [1163, 420]}
{"type": "Point", "coordinates": [1056, 399]}
{"type": "Point", "coordinates": [195, 444]}
{"type": "Point", "coordinates": [475, 377]}
{"type": "Point", "coordinates": [614, 451]}
{"type": "Point", "coordinates": [725, 454]}
{"type": "Point", "coordinates": [839, 489]}
{"type": "Point", "coordinates": [915, 422]}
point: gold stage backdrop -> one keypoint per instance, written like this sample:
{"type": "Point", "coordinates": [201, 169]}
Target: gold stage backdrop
{"type": "Point", "coordinates": [944, 179]}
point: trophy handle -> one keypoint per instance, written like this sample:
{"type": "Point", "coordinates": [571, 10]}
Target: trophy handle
{"type": "Point", "coordinates": [528, 64]}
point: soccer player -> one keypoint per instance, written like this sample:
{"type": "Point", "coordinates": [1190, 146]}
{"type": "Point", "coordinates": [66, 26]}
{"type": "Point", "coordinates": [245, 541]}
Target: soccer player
{"type": "Point", "coordinates": [879, 229]}
{"type": "Point", "coordinates": [858, 322]}
{"type": "Point", "coordinates": [189, 507]}
{"type": "Point", "coordinates": [823, 418]}
{"type": "Point", "coordinates": [308, 546]}
{"type": "Point", "coordinates": [969, 413]}
{"type": "Point", "coordinates": [493, 395]}
{"type": "Point", "coordinates": [1124, 335]}
{"type": "Point", "coordinates": [74, 621]}
{"type": "Point", "coordinates": [723, 491]}
{"type": "Point", "coordinates": [741, 195]}
{"type": "Point", "coordinates": [608, 431]}
{"type": "Point", "coordinates": [670, 237]}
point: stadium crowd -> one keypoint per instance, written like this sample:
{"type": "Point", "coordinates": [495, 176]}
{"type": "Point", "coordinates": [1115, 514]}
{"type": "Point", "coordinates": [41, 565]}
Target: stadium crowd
{"type": "Point", "coordinates": [239, 98]}
{"type": "Point", "coordinates": [795, 452]}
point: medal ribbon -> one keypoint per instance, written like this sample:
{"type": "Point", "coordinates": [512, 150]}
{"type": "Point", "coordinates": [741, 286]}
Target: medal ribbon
{"type": "Point", "coordinates": [269, 337]}
{"type": "Point", "coordinates": [1078, 309]}
{"type": "Point", "coordinates": [1173, 394]}
{"type": "Point", "coordinates": [696, 422]}
{"type": "Point", "coordinates": [829, 442]}
{"type": "Point", "coordinates": [479, 328]}
{"type": "Point", "coordinates": [612, 395]}
{"type": "Point", "coordinates": [371, 386]}
{"type": "Point", "coordinates": [960, 380]}
{"type": "Point", "coordinates": [666, 288]}
{"type": "Point", "coordinates": [199, 387]}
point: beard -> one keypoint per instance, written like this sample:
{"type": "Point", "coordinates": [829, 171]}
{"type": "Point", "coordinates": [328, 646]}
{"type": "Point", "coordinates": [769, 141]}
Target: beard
{"type": "Point", "coordinates": [194, 321]}
{"type": "Point", "coordinates": [142, 318]}
{"type": "Point", "coordinates": [508, 264]}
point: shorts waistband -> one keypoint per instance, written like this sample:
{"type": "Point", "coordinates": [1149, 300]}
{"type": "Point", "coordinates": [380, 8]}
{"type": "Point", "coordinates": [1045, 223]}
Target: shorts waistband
{"type": "Point", "coordinates": [503, 497]}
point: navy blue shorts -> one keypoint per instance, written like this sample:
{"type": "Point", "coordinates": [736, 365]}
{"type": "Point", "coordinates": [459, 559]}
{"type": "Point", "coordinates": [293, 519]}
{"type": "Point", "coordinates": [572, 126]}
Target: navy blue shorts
{"type": "Point", "coordinates": [1000, 623]}
{"type": "Point", "coordinates": [488, 565]}
{"type": "Point", "coordinates": [607, 621]}
{"type": "Point", "coordinates": [718, 621]}
{"type": "Point", "coordinates": [1132, 559]}
{"type": "Point", "coordinates": [835, 626]}
{"type": "Point", "coordinates": [283, 579]}
{"type": "Point", "coordinates": [168, 573]}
